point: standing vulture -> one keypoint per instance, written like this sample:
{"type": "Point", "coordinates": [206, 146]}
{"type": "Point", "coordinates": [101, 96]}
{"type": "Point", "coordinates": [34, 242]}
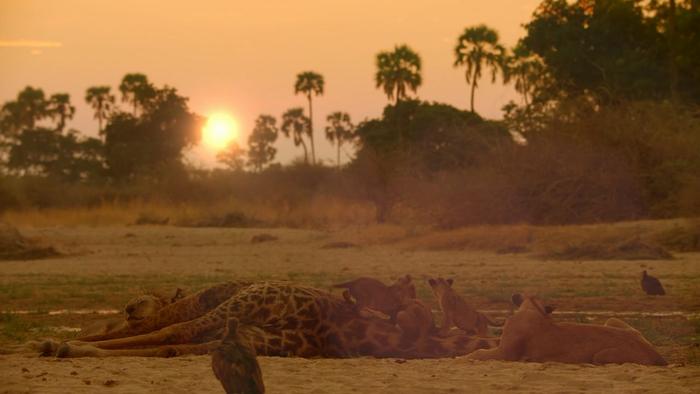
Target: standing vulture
{"type": "Point", "coordinates": [234, 363]}
{"type": "Point", "coordinates": [651, 285]}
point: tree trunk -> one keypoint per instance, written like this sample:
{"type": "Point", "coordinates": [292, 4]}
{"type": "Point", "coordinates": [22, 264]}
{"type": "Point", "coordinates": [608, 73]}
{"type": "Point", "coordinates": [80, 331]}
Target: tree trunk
{"type": "Point", "coordinates": [673, 67]}
{"type": "Point", "coordinates": [473, 89]}
{"type": "Point", "coordinates": [338, 153]}
{"type": "Point", "coordinates": [311, 129]}
{"type": "Point", "coordinates": [306, 153]}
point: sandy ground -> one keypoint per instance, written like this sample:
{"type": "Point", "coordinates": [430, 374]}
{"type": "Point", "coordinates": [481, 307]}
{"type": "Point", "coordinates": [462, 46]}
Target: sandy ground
{"type": "Point", "coordinates": [287, 375]}
{"type": "Point", "coordinates": [109, 265]}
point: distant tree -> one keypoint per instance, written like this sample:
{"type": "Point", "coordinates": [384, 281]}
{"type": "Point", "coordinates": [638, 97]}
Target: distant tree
{"type": "Point", "coordinates": [526, 70]}
{"type": "Point", "coordinates": [679, 22]}
{"type": "Point", "coordinates": [339, 130]}
{"type": "Point", "coordinates": [29, 108]}
{"type": "Point", "coordinates": [20, 115]}
{"type": "Point", "coordinates": [43, 152]}
{"type": "Point", "coordinates": [60, 109]}
{"type": "Point", "coordinates": [296, 125]}
{"type": "Point", "coordinates": [260, 142]}
{"type": "Point", "coordinates": [476, 48]}
{"type": "Point", "coordinates": [416, 140]}
{"type": "Point", "coordinates": [398, 71]}
{"type": "Point", "coordinates": [605, 50]}
{"type": "Point", "coordinates": [101, 101]}
{"type": "Point", "coordinates": [310, 84]}
{"type": "Point", "coordinates": [137, 90]}
{"type": "Point", "coordinates": [153, 142]}
{"type": "Point", "coordinates": [232, 157]}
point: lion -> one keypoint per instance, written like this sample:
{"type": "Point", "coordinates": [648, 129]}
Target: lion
{"type": "Point", "coordinates": [415, 319]}
{"type": "Point", "coordinates": [137, 310]}
{"type": "Point", "coordinates": [373, 294]}
{"type": "Point", "coordinates": [531, 335]}
{"type": "Point", "coordinates": [456, 311]}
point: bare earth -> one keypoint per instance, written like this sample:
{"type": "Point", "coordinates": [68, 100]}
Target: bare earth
{"type": "Point", "coordinates": [294, 375]}
{"type": "Point", "coordinates": [109, 265]}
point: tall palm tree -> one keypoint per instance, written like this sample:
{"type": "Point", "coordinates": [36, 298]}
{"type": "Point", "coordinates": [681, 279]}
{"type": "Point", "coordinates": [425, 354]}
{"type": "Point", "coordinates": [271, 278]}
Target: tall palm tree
{"type": "Point", "coordinates": [476, 48]}
{"type": "Point", "coordinates": [339, 130]}
{"type": "Point", "coordinates": [310, 83]}
{"type": "Point", "coordinates": [101, 101]}
{"type": "Point", "coordinates": [59, 107]}
{"type": "Point", "coordinates": [398, 71]}
{"type": "Point", "coordinates": [297, 125]}
{"type": "Point", "coordinates": [137, 90]}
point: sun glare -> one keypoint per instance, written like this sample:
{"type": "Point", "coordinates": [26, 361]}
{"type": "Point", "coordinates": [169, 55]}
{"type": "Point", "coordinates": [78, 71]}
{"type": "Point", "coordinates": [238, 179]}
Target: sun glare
{"type": "Point", "coordinates": [219, 131]}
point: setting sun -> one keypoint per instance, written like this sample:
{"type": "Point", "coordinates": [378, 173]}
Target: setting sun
{"type": "Point", "coordinates": [219, 131]}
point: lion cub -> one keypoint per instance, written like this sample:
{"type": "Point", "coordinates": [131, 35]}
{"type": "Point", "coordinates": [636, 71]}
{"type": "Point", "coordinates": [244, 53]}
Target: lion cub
{"type": "Point", "coordinates": [456, 311]}
{"type": "Point", "coordinates": [373, 294]}
{"type": "Point", "coordinates": [415, 319]}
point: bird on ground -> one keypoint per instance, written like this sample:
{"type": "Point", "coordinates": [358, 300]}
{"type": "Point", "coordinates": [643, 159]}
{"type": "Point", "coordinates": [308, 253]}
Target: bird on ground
{"type": "Point", "coordinates": [235, 365]}
{"type": "Point", "coordinates": [651, 285]}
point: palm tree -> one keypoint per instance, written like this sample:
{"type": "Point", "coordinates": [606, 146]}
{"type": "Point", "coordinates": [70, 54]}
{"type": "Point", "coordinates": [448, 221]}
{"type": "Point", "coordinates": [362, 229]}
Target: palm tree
{"type": "Point", "coordinates": [296, 124]}
{"type": "Point", "coordinates": [137, 90]}
{"type": "Point", "coordinates": [310, 83]}
{"type": "Point", "coordinates": [101, 101]}
{"type": "Point", "coordinates": [398, 71]}
{"type": "Point", "coordinates": [59, 108]}
{"type": "Point", "coordinates": [478, 47]}
{"type": "Point", "coordinates": [339, 130]}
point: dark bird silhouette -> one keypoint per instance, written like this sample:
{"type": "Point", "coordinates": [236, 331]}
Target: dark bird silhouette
{"type": "Point", "coordinates": [651, 285]}
{"type": "Point", "coordinates": [234, 363]}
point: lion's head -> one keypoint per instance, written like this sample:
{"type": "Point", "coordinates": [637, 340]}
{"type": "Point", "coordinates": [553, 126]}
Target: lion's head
{"type": "Point", "coordinates": [404, 288]}
{"type": "Point", "coordinates": [140, 308]}
{"type": "Point", "coordinates": [531, 303]}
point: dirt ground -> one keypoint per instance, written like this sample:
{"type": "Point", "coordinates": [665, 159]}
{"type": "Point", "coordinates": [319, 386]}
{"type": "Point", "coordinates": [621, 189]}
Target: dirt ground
{"type": "Point", "coordinates": [106, 266]}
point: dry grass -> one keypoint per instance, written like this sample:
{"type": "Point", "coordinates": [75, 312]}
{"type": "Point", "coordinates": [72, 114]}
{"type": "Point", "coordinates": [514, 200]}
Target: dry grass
{"type": "Point", "coordinates": [625, 240]}
{"type": "Point", "coordinates": [315, 213]}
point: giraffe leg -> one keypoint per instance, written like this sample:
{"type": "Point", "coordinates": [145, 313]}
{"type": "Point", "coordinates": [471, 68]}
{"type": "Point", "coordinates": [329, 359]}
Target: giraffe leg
{"type": "Point", "coordinates": [179, 333]}
{"type": "Point", "coordinates": [67, 350]}
{"type": "Point", "coordinates": [183, 310]}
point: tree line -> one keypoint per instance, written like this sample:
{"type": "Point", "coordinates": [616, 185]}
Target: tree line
{"type": "Point", "coordinates": [585, 72]}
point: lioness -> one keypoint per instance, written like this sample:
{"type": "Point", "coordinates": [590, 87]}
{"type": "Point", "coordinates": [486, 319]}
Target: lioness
{"type": "Point", "coordinates": [136, 310]}
{"type": "Point", "coordinates": [372, 293]}
{"type": "Point", "coordinates": [532, 335]}
{"type": "Point", "coordinates": [456, 311]}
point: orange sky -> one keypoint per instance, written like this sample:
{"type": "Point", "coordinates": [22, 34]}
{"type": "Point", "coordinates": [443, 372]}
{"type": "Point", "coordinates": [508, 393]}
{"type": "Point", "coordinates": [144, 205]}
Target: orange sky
{"type": "Point", "coordinates": [242, 57]}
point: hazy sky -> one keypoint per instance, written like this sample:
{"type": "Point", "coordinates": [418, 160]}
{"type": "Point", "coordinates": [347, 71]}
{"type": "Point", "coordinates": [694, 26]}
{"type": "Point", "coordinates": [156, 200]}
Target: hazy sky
{"type": "Point", "coordinates": [243, 57]}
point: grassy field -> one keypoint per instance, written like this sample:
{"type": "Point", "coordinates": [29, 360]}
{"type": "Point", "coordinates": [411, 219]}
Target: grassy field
{"type": "Point", "coordinates": [106, 266]}
{"type": "Point", "coordinates": [103, 266]}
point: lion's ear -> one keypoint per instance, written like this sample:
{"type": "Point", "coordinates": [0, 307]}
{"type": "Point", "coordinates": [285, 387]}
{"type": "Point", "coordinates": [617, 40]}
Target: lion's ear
{"type": "Point", "coordinates": [517, 299]}
{"type": "Point", "coordinates": [450, 282]}
{"type": "Point", "coordinates": [432, 282]}
{"type": "Point", "coordinates": [549, 309]}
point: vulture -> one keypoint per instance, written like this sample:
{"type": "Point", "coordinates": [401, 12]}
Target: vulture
{"type": "Point", "coordinates": [651, 285]}
{"type": "Point", "coordinates": [235, 365]}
